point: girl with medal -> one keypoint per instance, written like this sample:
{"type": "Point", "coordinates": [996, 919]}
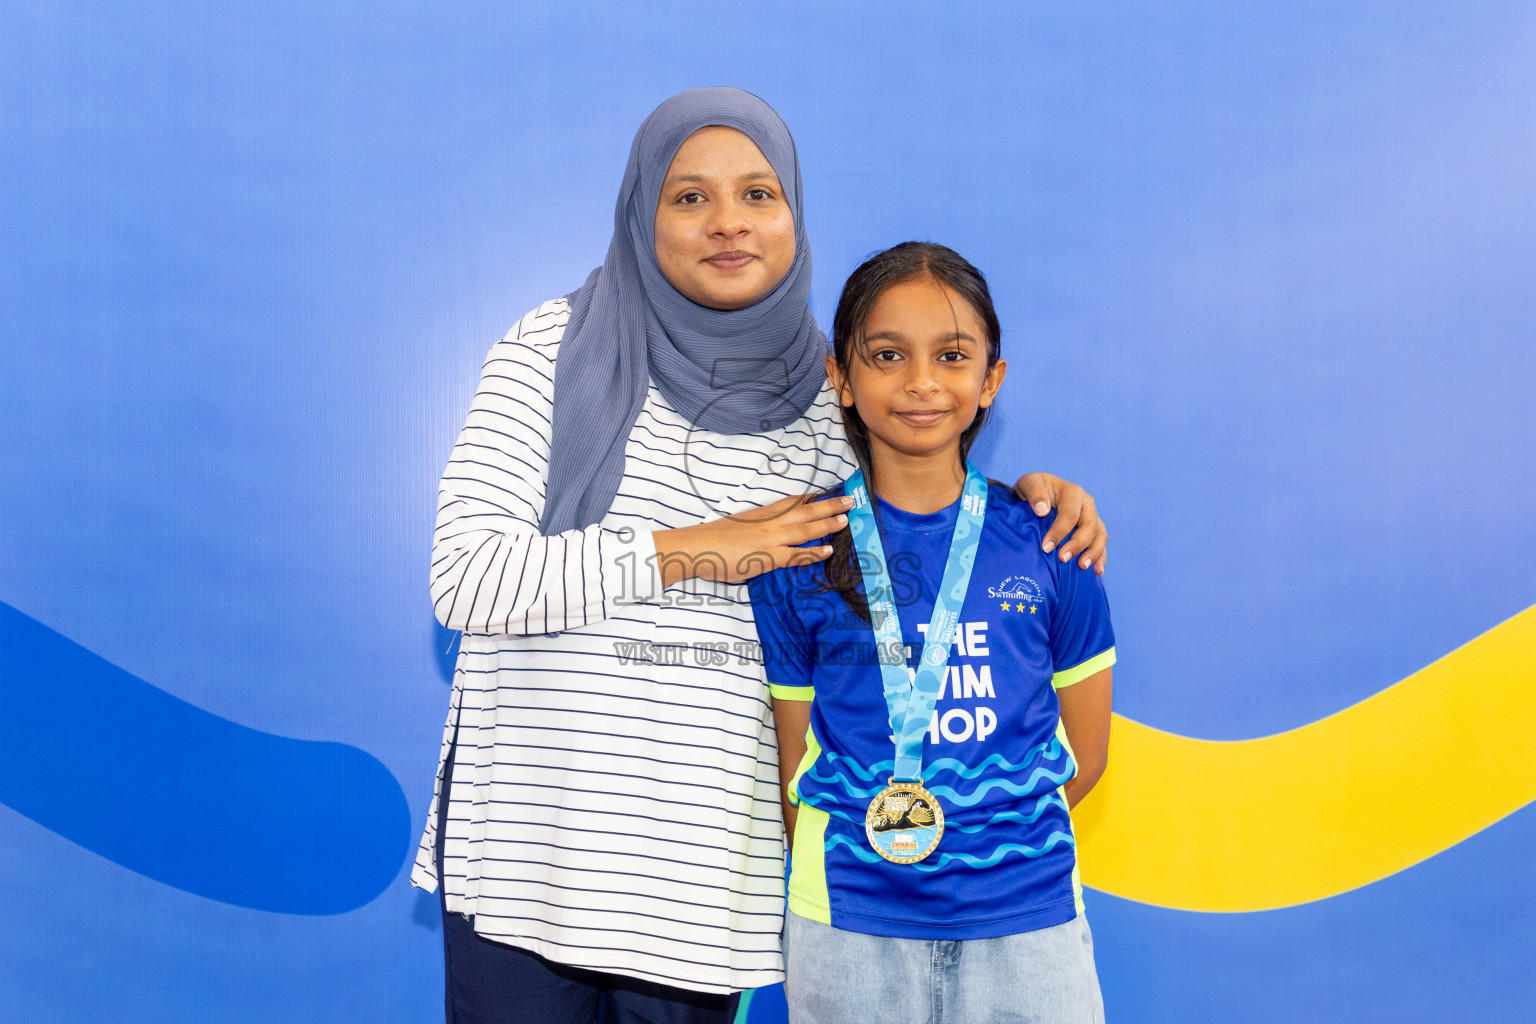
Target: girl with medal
{"type": "Point", "coordinates": [602, 831]}
{"type": "Point", "coordinates": [941, 689]}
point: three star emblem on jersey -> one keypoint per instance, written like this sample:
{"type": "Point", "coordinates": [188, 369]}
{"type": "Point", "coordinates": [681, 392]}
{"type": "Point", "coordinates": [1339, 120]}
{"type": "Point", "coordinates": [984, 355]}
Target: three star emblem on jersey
{"type": "Point", "coordinates": [1020, 594]}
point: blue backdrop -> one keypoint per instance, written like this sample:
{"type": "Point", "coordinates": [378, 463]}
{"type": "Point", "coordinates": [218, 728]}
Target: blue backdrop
{"type": "Point", "coordinates": [1265, 274]}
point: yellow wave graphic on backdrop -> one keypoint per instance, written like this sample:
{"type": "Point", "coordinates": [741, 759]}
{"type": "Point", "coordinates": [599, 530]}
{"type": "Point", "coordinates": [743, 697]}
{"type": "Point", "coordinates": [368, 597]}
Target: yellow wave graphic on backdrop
{"type": "Point", "coordinates": [1334, 805]}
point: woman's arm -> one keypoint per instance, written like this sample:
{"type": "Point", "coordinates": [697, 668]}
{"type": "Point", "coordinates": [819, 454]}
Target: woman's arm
{"type": "Point", "coordinates": [791, 718]}
{"type": "Point", "coordinates": [1076, 514]}
{"type": "Point", "coordinates": [492, 571]}
{"type": "Point", "coordinates": [1085, 715]}
{"type": "Point", "coordinates": [750, 543]}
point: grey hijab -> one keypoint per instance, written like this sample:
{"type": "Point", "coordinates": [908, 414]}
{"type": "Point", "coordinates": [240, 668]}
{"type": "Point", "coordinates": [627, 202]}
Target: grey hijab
{"type": "Point", "coordinates": [729, 371]}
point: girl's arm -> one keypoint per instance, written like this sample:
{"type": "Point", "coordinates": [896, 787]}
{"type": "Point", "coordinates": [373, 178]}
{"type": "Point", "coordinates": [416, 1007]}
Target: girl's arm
{"type": "Point", "coordinates": [1085, 715]}
{"type": "Point", "coordinates": [791, 718]}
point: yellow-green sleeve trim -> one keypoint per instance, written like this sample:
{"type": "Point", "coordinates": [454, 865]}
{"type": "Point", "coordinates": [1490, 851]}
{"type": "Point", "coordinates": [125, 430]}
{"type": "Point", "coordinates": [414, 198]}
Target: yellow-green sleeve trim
{"type": "Point", "coordinates": [1077, 875]}
{"type": "Point", "coordinates": [1076, 674]}
{"type": "Point", "coordinates": [812, 752]}
{"type": "Point", "coordinates": [808, 870]}
{"type": "Point", "coordinates": [792, 692]}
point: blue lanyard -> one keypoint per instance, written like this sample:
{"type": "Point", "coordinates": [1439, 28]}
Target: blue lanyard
{"type": "Point", "coordinates": [911, 700]}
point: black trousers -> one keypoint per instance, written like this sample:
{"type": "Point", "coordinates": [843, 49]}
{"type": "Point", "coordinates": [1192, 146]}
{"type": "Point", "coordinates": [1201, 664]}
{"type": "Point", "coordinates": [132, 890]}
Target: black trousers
{"type": "Point", "coordinates": [490, 983]}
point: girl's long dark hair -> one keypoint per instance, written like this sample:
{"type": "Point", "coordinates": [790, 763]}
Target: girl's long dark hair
{"type": "Point", "coordinates": [865, 285]}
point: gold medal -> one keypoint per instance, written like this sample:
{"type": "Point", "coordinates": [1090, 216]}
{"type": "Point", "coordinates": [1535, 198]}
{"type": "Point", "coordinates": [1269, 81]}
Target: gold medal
{"type": "Point", "coordinates": [904, 822]}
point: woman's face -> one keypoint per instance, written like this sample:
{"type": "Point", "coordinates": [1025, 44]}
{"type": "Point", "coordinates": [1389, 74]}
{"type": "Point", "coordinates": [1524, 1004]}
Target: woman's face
{"type": "Point", "coordinates": [725, 235]}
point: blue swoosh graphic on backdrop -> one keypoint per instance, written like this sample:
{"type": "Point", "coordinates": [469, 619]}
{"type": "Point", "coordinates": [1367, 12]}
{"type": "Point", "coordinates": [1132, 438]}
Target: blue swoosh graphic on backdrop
{"type": "Point", "coordinates": [183, 796]}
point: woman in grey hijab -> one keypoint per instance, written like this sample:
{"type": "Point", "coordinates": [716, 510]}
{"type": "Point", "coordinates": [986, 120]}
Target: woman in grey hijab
{"type": "Point", "coordinates": [605, 828]}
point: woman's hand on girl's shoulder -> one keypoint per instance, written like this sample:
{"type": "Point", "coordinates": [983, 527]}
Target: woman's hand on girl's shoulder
{"type": "Point", "coordinates": [747, 544]}
{"type": "Point", "coordinates": [1077, 519]}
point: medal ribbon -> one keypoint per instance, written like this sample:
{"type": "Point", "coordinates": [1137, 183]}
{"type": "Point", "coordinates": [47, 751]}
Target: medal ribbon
{"type": "Point", "coordinates": [911, 700]}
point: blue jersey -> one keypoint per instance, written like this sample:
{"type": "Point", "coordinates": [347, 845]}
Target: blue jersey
{"type": "Point", "coordinates": [995, 755]}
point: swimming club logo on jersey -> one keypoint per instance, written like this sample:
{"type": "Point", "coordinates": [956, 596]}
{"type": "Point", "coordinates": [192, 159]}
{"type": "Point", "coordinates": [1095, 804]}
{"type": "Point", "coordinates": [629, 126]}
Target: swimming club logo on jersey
{"type": "Point", "coordinates": [1020, 594]}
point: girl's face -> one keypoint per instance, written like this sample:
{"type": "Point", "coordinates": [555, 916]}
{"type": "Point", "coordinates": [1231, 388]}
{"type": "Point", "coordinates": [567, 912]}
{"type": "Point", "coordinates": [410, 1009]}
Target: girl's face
{"type": "Point", "coordinates": [923, 373]}
{"type": "Point", "coordinates": [725, 235]}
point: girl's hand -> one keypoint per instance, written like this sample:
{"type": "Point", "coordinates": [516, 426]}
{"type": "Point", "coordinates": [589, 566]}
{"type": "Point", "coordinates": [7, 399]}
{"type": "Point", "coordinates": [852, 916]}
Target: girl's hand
{"type": "Point", "coordinates": [749, 544]}
{"type": "Point", "coordinates": [1075, 510]}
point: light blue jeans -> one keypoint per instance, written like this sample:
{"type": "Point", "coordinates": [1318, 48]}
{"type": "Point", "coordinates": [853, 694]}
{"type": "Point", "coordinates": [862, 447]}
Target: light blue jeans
{"type": "Point", "coordinates": [842, 977]}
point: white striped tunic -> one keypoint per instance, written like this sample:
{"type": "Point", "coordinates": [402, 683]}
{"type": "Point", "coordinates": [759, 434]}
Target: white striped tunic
{"type": "Point", "coordinates": [615, 803]}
